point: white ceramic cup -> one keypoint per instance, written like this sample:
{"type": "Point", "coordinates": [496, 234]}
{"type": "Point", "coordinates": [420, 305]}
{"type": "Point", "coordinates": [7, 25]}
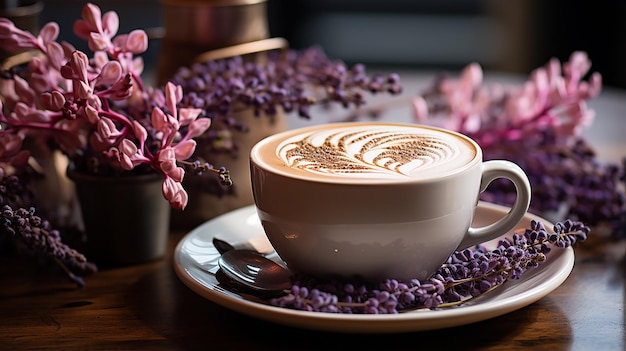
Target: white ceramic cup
{"type": "Point", "coordinates": [371, 200]}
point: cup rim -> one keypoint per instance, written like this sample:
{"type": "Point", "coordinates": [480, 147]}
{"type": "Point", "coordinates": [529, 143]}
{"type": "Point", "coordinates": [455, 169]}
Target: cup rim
{"type": "Point", "coordinates": [258, 162]}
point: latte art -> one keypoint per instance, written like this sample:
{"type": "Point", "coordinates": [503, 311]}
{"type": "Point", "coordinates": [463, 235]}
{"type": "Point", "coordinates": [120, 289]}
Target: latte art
{"type": "Point", "coordinates": [373, 152]}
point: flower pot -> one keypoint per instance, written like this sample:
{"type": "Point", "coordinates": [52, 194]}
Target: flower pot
{"type": "Point", "coordinates": [126, 219]}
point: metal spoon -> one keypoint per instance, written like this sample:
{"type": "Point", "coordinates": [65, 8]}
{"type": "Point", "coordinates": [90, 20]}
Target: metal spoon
{"type": "Point", "coordinates": [221, 245]}
{"type": "Point", "coordinates": [253, 270]}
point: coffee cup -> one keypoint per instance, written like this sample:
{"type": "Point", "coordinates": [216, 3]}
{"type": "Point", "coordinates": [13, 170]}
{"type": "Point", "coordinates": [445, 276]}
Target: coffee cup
{"type": "Point", "coordinates": [375, 200]}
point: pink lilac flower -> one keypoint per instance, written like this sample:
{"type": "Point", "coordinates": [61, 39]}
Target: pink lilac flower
{"type": "Point", "coordinates": [536, 124]}
{"type": "Point", "coordinates": [552, 98]}
{"type": "Point", "coordinates": [97, 105]}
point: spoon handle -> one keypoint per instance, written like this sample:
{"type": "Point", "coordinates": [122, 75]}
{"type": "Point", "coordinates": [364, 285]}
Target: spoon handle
{"type": "Point", "coordinates": [222, 246]}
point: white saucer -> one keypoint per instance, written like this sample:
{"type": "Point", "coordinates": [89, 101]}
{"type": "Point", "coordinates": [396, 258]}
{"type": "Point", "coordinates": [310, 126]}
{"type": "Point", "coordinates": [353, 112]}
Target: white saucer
{"type": "Point", "coordinates": [195, 262]}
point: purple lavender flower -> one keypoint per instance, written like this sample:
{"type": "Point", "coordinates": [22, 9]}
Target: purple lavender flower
{"type": "Point", "coordinates": [30, 233]}
{"type": "Point", "coordinates": [466, 275]}
{"type": "Point", "coordinates": [291, 82]}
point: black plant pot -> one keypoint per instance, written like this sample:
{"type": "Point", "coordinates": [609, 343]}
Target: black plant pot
{"type": "Point", "coordinates": [126, 219]}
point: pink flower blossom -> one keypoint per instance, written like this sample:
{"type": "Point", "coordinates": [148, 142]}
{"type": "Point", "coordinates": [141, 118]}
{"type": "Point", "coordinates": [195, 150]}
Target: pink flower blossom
{"type": "Point", "coordinates": [97, 109]}
{"type": "Point", "coordinates": [174, 192]}
{"type": "Point", "coordinates": [553, 99]}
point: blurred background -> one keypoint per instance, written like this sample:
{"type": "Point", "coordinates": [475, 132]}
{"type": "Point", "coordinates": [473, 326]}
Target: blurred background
{"type": "Point", "coordinates": [513, 36]}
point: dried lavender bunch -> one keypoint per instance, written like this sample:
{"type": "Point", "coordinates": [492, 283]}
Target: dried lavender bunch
{"type": "Point", "coordinates": [537, 125]}
{"type": "Point", "coordinates": [32, 234]}
{"type": "Point", "coordinates": [291, 81]}
{"type": "Point", "coordinates": [566, 180]}
{"type": "Point", "coordinates": [466, 275]}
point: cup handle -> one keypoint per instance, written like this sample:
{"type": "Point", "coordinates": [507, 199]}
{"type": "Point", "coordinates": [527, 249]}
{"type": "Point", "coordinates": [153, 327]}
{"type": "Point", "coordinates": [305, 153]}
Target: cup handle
{"type": "Point", "coordinates": [493, 170]}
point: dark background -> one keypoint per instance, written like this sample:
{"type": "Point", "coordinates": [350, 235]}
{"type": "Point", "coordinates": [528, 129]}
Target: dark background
{"type": "Point", "coordinates": [510, 36]}
{"type": "Point", "coordinates": [513, 35]}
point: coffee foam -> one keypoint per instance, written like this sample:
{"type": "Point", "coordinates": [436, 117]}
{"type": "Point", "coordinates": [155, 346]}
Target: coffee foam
{"type": "Point", "coordinates": [372, 151]}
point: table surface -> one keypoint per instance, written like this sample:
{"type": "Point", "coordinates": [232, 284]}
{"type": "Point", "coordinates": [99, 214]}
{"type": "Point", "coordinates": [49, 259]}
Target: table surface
{"type": "Point", "coordinates": [147, 307]}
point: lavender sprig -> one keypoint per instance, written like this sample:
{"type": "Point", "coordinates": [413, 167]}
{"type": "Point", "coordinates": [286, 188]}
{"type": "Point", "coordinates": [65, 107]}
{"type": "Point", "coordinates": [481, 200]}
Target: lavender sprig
{"type": "Point", "coordinates": [291, 81]}
{"type": "Point", "coordinates": [565, 178]}
{"type": "Point", "coordinates": [466, 275]}
{"type": "Point", "coordinates": [35, 235]}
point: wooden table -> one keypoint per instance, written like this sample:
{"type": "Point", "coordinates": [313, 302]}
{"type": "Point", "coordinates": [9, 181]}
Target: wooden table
{"type": "Point", "coordinates": [146, 307]}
